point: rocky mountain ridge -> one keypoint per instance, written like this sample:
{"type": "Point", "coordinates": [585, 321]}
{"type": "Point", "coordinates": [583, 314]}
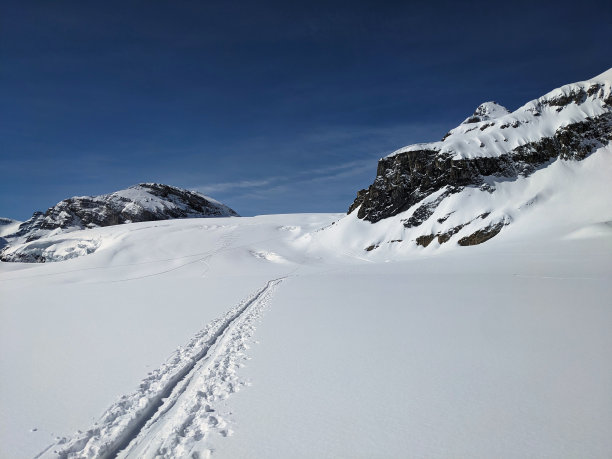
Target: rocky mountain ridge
{"type": "Point", "coordinates": [492, 145]}
{"type": "Point", "coordinates": [138, 203]}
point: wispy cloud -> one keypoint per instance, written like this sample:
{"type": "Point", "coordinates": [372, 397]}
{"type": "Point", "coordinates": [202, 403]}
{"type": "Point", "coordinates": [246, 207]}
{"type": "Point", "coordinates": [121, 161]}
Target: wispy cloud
{"type": "Point", "coordinates": [315, 170]}
{"type": "Point", "coordinates": [320, 174]}
{"type": "Point", "coordinates": [231, 186]}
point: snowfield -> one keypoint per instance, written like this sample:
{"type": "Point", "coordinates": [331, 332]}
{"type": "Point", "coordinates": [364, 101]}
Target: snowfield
{"type": "Point", "coordinates": [281, 336]}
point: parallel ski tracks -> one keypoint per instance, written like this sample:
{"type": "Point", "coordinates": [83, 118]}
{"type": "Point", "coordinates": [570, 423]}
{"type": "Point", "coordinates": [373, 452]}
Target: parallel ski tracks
{"type": "Point", "coordinates": [211, 358]}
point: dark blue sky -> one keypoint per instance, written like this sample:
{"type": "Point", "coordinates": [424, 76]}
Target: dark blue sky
{"type": "Point", "coordinates": [268, 107]}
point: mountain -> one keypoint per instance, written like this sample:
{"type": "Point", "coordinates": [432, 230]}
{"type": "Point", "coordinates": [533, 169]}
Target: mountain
{"type": "Point", "coordinates": [139, 203]}
{"type": "Point", "coordinates": [280, 336]}
{"type": "Point", "coordinates": [439, 189]}
{"type": "Point", "coordinates": [8, 226]}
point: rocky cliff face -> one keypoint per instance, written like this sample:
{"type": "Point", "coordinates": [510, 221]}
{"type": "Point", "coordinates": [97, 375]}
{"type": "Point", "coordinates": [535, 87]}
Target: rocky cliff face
{"type": "Point", "coordinates": [568, 123]}
{"type": "Point", "coordinates": [139, 203]}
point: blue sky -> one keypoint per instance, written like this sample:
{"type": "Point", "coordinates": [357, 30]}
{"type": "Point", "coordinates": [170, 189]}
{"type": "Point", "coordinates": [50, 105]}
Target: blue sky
{"type": "Point", "coordinates": [269, 107]}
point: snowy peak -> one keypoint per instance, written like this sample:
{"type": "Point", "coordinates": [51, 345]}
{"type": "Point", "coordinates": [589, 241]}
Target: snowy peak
{"type": "Point", "coordinates": [166, 201]}
{"type": "Point", "coordinates": [593, 90]}
{"type": "Point", "coordinates": [502, 132]}
{"type": "Point", "coordinates": [438, 180]}
{"type": "Point", "coordinates": [138, 203]}
{"type": "Point", "coordinates": [487, 111]}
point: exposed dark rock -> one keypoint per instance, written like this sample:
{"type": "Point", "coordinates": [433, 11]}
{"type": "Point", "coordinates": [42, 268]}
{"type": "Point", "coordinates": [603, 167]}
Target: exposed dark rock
{"type": "Point", "coordinates": [444, 237]}
{"type": "Point", "coordinates": [23, 258]}
{"type": "Point", "coordinates": [404, 179]}
{"type": "Point", "coordinates": [425, 240]}
{"type": "Point", "coordinates": [358, 200]}
{"type": "Point", "coordinates": [120, 207]}
{"type": "Point", "coordinates": [423, 212]}
{"type": "Point", "coordinates": [371, 247]}
{"type": "Point", "coordinates": [443, 219]}
{"type": "Point", "coordinates": [485, 112]}
{"type": "Point", "coordinates": [482, 235]}
{"type": "Point", "coordinates": [31, 224]}
{"type": "Point", "coordinates": [507, 125]}
{"type": "Point", "coordinates": [577, 96]}
{"type": "Point", "coordinates": [140, 203]}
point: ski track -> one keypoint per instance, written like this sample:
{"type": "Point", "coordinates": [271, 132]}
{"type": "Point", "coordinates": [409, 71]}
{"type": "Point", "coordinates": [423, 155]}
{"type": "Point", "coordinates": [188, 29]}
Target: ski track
{"type": "Point", "coordinates": [172, 413]}
{"type": "Point", "coordinates": [226, 245]}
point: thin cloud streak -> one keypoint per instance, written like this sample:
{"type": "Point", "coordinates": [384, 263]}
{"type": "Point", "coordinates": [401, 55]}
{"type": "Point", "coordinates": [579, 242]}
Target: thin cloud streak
{"type": "Point", "coordinates": [314, 175]}
{"type": "Point", "coordinates": [230, 186]}
{"type": "Point", "coordinates": [336, 141]}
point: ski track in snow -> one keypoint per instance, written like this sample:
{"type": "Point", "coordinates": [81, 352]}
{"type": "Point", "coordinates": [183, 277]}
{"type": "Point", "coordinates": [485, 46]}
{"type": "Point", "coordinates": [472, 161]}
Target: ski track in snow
{"type": "Point", "coordinates": [227, 241]}
{"type": "Point", "coordinates": [172, 413]}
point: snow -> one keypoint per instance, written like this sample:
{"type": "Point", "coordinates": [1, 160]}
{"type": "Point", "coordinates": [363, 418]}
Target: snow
{"type": "Point", "coordinates": [323, 335]}
{"type": "Point", "coordinates": [8, 226]}
{"type": "Point", "coordinates": [488, 111]}
{"type": "Point", "coordinates": [499, 132]}
{"type": "Point", "coordinates": [76, 335]}
{"type": "Point", "coordinates": [56, 244]}
{"type": "Point", "coordinates": [559, 199]}
{"type": "Point", "coordinates": [142, 197]}
{"type": "Point", "coordinates": [58, 248]}
{"type": "Point", "coordinates": [280, 336]}
{"type": "Point", "coordinates": [484, 355]}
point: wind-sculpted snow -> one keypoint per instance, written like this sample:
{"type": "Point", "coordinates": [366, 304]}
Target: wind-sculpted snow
{"type": "Point", "coordinates": [173, 409]}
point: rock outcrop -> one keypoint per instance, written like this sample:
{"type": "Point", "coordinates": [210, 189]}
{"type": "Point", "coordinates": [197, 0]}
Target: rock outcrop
{"type": "Point", "coordinates": [568, 123]}
{"type": "Point", "coordinates": [139, 203]}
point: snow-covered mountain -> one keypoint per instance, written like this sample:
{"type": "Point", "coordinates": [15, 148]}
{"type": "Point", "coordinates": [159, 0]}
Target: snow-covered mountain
{"type": "Point", "coordinates": [331, 335]}
{"type": "Point", "coordinates": [8, 226]}
{"type": "Point", "coordinates": [139, 203]}
{"type": "Point", "coordinates": [478, 179]}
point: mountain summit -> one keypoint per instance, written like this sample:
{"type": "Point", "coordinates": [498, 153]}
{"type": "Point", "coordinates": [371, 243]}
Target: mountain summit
{"type": "Point", "coordinates": [487, 111]}
{"type": "Point", "coordinates": [139, 203]}
{"type": "Point", "coordinates": [432, 186]}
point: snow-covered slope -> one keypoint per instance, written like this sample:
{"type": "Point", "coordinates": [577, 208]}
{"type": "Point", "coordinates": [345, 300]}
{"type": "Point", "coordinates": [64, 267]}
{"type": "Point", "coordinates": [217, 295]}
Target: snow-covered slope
{"type": "Point", "coordinates": [470, 186]}
{"type": "Point", "coordinates": [8, 226]}
{"type": "Point", "coordinates": [562, 198]}
{"type": "Point", "coordinates": [146, 348]}
{"type": "Point", "coordinates": [487, 111]}
{"type": "Point", "coordinates": [139, 203]}
{"type": "Point", "coordinates": [327, 335]}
